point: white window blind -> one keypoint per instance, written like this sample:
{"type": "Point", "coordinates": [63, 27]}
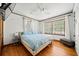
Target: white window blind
{"type": "Point", "coordinates": [55, 27]}
{"type": "Point", "coordinates": [59, 27]}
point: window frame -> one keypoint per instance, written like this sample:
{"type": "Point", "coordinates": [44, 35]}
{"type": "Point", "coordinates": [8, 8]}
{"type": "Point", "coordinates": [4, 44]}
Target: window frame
{"type": "Point", "coordinates": [52, 27]}
{"type": "Point", "coordinates": [64, 27]}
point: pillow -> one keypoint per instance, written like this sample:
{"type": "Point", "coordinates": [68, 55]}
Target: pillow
{"type": "Point", "coordinates": [28, 33]}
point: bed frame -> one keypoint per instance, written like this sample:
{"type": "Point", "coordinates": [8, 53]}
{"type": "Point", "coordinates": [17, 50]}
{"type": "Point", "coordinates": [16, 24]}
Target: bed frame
{"type": "Point", "coordinates": [38, 50]}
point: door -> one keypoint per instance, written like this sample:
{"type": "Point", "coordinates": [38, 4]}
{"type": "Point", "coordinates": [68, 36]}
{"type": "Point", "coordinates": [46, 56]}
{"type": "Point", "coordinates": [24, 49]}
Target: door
{"type": "Point", "coordinates": [1, 33]}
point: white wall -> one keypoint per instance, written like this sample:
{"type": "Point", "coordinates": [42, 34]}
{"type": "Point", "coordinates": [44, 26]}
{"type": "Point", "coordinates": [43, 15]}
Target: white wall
{"type": "Point", "coordinates": [72, 26]}
{"type": "Point", "coordinates": [12, 24]}
{"type": "Point", "coordinates": [76, 10]}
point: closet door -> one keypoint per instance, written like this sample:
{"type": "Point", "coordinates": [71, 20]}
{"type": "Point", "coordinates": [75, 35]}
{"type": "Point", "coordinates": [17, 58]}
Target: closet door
{"type": "Point", "coordinates": [1, 33]}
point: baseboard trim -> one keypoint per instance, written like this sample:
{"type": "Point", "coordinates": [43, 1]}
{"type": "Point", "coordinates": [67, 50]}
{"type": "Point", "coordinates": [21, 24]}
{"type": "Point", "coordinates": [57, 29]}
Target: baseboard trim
{"type": "Point", "coordinates": [10, 44]}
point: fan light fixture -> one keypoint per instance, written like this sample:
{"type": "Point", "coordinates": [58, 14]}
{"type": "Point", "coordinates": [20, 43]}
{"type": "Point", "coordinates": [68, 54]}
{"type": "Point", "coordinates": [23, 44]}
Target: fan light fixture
{"type": "Point", "coordinates": [40, 8]}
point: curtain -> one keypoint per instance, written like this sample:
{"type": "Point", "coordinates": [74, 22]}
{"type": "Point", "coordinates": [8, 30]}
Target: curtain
{"type": "Point", "coordinates": [48, 27]}
{"type": "Point", "coordinates": [67, 31]}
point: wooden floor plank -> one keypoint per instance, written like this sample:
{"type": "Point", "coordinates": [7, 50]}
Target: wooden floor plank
{"type": "Point", "coordinates": [55, 49]}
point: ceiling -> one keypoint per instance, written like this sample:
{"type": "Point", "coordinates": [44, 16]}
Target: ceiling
{"type": "Point", "coordinates": [41, 11]}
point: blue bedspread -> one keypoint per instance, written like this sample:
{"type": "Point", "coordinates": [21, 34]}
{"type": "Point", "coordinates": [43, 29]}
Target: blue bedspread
{"type": "Point", "coordinates": [35, 40]}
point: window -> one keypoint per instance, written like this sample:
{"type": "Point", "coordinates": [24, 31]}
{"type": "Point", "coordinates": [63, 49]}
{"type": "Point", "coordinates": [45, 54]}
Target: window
{"type": "Point", "coordinates": [55, 27]}
{"type": "Point", "coordinates": [59, 27]}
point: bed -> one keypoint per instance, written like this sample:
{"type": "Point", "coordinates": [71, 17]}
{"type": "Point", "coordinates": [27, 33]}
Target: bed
{"type": "Point", "coordinates": [34, 43]}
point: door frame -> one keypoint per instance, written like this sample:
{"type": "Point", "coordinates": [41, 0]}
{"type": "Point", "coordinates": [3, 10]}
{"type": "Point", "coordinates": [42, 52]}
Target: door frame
{"type": "Point", "coordinates": [2, 15]}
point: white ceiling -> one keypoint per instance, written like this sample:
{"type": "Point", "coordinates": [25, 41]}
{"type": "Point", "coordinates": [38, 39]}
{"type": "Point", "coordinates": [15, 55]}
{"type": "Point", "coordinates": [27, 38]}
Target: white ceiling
{"type": "Point", "coordinates": [42, 11]}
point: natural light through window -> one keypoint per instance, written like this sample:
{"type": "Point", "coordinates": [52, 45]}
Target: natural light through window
{"type": "Point", "coordinates": [59, 27]}
{"type": "Point", "coordinates": [55, 27]}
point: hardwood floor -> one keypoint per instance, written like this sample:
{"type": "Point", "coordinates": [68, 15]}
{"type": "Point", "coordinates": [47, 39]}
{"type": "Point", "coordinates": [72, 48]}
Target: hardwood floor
{"type": "Point", "coordinates": [55, 49]}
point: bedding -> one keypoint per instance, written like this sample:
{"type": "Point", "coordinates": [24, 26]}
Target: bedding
{"type": "Point", "coordinates": [52, 37]}
{"type": "Point", "coordinates": [27, 33]}
{"type": "Point", "coordinates": [35, 40]}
